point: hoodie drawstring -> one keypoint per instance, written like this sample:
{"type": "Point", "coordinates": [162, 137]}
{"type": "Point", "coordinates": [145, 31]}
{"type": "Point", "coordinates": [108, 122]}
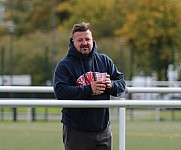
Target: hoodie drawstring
{"type": "Point", "coordinates": [83, 71]}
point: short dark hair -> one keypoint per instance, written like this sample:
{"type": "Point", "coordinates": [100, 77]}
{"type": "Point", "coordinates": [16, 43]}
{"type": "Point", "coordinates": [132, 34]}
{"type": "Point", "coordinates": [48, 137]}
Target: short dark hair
{"type": "Point", "coordinates": [81, 27]}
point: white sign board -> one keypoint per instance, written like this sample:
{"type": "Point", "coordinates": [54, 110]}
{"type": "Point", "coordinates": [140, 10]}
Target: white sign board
{"type": "Point", "coordinates": [15, 79]}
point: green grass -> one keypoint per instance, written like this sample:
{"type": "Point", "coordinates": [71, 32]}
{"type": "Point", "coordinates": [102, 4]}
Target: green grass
{"type": "Point", "coordinates": [153, 136]}
{"type": "Point", "coordinates": [41, 135]}
{"type": "Point", "coordinates": [30, 136]}
{"type": "Point", "coordinates": [38, 110]}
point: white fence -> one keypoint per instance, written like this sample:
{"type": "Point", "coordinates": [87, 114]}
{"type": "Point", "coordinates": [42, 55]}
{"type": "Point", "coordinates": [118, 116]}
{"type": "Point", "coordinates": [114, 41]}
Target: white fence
{"type": "Point", "coordinates": [91, 103]}
{"type": "Point", "coordinates": [49, 89]}
{"type": "Point", "coordinates": [122, 104]}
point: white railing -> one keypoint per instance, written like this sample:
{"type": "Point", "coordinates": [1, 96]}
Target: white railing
{"type": "Point", "coordinates": [29, 89]}
{"type": "Point", "coordinates": [91, 103]}
{"type": "Point", "coordinates": [154, 83]}
{"type": "Point", "coordinates": [122, 104]}
{"type": "Point", "coordinates": [49, 89]}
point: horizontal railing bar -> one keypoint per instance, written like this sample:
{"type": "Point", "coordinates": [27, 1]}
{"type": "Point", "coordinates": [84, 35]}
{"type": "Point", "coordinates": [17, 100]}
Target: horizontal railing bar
{"type": "Point", "coordinates": [92, 103]}
{"type": "Point", "coordinates": [155, 83]}
{"type": "Point", "coordinates": [49, 89]}
{"type": "Point", "coordinates": [28, 89]}
{"type": "Point", "coordinates": [153, 89]}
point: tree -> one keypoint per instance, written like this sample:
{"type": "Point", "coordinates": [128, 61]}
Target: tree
{"type": "Point", "coordinates": [104, 16]}
{"type": "Point", "coordinates": [29, 16]}
{"type": "Point", "coordinates": [152, 30]}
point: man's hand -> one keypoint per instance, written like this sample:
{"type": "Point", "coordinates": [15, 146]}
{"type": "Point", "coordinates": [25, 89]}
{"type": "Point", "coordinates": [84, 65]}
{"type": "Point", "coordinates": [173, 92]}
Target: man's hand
{"type": "Point", "coordinates": [98, 87]}
{"type": "Point", "coordinates": [108, 81]}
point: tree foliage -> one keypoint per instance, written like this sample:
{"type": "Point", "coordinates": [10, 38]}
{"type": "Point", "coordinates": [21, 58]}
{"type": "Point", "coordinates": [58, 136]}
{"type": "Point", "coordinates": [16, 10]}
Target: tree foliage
{"type": "Point", "coordinates": [30, 15]}
{"type": "Point", "coordinates": [150, 29]}
{"type": "Point", "coordinates": [104, 16]}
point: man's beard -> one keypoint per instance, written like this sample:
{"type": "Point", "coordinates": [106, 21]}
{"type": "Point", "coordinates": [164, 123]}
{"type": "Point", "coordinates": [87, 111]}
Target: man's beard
{"type": "Point", "coordinates": [85, 50]}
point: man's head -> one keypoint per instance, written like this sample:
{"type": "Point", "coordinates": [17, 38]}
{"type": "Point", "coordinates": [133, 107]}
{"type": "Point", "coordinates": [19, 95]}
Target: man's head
{"type": "Point", "coordinates": [82, 38]}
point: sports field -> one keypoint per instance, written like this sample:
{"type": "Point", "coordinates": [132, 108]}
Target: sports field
{"type": "Point", "coordinates": [39, 135]}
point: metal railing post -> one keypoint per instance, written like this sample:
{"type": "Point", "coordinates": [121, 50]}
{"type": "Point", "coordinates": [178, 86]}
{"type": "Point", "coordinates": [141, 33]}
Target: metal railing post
{"type": "Point", "coordinates": [28, 114]}
{"type": "Point", "coordinates": [2, 113]}
{"type": "Point", "coordinates": [122, 127]}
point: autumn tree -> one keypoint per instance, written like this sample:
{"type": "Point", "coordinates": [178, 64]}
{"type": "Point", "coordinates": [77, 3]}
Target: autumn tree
{"type": "Point", "coordinates": [104, 16]}
{"type": "Point", "coordinates": [29, 15]}
{"type": "Point", "coordinates": [152, 30]}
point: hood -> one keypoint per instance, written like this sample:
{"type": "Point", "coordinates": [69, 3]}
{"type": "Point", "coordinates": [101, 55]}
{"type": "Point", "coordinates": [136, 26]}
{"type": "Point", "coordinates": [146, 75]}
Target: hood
{"type": "Point", "coordinates": [74, 53]}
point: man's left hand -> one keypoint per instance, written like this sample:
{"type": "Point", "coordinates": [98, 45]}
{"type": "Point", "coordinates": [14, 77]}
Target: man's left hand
{"type": "Point", "coordinates": [108, 81]}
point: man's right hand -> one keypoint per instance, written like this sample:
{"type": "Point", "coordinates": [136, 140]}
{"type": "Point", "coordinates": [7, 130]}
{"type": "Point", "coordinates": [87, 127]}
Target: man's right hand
{"type": "Point", "coordinates": [98, 87]}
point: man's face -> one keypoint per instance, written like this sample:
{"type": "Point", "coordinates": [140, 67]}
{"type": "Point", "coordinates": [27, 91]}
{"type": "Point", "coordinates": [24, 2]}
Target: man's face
{"type": "Point", "coordinates": [83, 42]}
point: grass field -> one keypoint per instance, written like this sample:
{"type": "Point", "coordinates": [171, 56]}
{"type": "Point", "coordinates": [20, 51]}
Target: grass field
{"type": "Point", "coordinates": [149, 135]}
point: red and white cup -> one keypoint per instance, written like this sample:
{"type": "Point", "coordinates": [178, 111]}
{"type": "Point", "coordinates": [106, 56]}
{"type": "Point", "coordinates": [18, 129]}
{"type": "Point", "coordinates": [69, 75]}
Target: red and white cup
{"type": "Point", "coordinates": [100, 76]}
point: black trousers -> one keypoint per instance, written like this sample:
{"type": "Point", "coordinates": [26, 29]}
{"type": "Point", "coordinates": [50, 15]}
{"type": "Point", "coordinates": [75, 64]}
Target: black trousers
{"type": "Point", "coordinates": [81, 140]}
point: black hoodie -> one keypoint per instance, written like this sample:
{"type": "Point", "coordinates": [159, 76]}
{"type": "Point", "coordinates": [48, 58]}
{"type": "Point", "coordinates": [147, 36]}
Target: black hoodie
{"type": "Point", "coordinates": [71, 82]}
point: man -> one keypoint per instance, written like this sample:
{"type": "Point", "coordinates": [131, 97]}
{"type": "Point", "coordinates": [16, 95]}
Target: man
{"type": "Point", "coordinates": [85, 74]}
